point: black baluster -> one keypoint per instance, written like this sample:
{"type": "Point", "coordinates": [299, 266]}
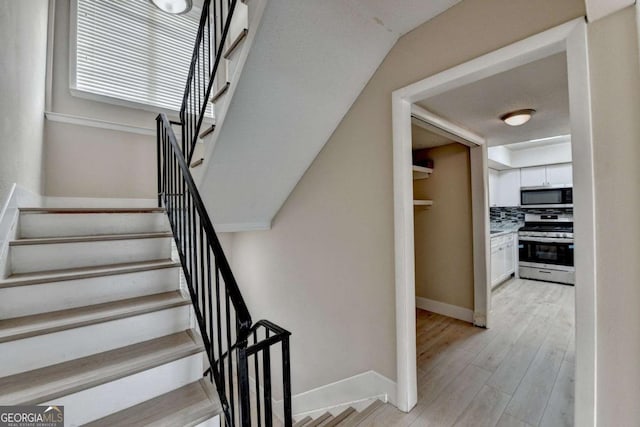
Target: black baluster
{"type": "Point", "coordinates": [243, 386]}
{"type": "Point", "coordinates": [219, 326]}
{"type": "Point", "coordinates": [229, 358]}
{"type": "Point", "coordinates": [257, 376]}
{"type": "Point", "coordinates": [210, 294]}
{"type": "Point", "coordinates": [266, 371]}
{"type": "Point", "coordinates": [286, 379]}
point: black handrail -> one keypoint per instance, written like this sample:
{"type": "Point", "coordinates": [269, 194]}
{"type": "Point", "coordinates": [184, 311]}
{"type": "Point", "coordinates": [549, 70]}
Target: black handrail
{"type": "Point", "coordinates": [223, 319]}
{"type": "Point", "coordinates": [213, 30]}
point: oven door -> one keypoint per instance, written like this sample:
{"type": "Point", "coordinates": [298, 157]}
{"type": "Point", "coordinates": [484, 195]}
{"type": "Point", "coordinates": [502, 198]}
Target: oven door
{"type": "Point", "coordinates": [548, 251]}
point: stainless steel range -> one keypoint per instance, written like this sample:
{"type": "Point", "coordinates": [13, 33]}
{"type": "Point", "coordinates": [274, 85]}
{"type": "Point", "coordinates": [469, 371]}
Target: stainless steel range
{"type": "Point", "coordinates": [545, 246]}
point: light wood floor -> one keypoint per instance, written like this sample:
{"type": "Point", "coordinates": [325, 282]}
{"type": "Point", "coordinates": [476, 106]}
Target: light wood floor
{"type": "Point", "coordinates": [518, 373]}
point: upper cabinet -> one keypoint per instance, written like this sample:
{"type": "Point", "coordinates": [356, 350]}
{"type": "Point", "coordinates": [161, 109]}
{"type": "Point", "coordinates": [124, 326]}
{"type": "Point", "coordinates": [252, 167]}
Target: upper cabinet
{"type": "Point", "coordinates": [539, 176]}
{"type": "Point", "coordinates": [533, 177]}
{"type": "Point", "coordinates": [509, 188]}
{"type": "Point", "coordinates": [560, 174]}
{"type": "Point", "coordinates": [493, 187]}
{"type": "Point", "coordinates": [504, 188]}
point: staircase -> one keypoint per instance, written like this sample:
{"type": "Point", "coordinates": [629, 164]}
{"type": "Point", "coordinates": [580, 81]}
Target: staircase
{"type": "Point", "coordinates": [93, 319]}
{"type": "Point", "coordinates": [93, 316]}
{"type": "Point", "coordinates": [347, 418]}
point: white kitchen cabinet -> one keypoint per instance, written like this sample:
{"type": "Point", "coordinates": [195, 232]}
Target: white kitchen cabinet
{"type": "Point", "coordinates": [493, 187]}
{"type": "Point", "coordinates": [533, 177]}
{"type": "Point", "coordinates": [496, 265]}
{"type": "Point", "coordinates": [539, 176]}
{"type": "Point", "coordinates": [509, 188]}
{"type": "Point", "coordinates": [504, 187]}
{"type": "Point", "coordinates": [509, 256]}
{"type": "Point", "coordinates": [503, 258]}
{"type": "Point", "coordinates": [561, 174]}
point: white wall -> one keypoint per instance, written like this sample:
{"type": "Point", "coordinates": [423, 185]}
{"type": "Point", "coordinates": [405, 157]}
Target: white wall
{"type": "Point", "coordinates": [326, 269]}
{"type": "Point", "coordinates": [23, 44]}
{"type": "Point", "coordinates": [615, 79]}
{"type": "Point", "coordinates": [124, 162]}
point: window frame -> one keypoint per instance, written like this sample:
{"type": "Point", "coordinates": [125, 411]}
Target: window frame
{"type": "Point", "coordinates": [84, 94]}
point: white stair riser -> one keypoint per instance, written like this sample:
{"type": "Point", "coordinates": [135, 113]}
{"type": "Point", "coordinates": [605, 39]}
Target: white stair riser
{"type": "Point", "coordinates": [57, 256]}
{"type": "Point", "coordinates": [33, 299]}
{"type": "Point", "coordinates": [100, 401]}
{"type": "Point", "coordinates": [33, 225]}
{"type": "Point", "coordinates": [49, 349]}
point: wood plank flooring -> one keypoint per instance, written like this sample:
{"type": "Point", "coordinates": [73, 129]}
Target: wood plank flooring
{"type": "Point", "coordinates": [518, 373]}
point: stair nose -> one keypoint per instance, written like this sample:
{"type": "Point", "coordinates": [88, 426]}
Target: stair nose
{"type": "Point", "coordinates": [95, 386]}
{"type": "Point", "coordinates": [29, 326]}
{"type": "Point", "coordinates": [35, 293]}
{"type": "Point", "coordinates": [32, 342]}
{"type": "Point", "coordinates": [186, 406]}
{"type": "Point", "coordinates": [65, 222]}
{"type": "Point", "coordinates": [58, 253]}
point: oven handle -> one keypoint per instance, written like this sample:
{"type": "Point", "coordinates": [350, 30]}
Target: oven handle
{"type": "Point", "coordinates": [545, 240]}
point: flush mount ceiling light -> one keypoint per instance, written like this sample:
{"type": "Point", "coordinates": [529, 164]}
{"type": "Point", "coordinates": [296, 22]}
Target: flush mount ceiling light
{"type": "Point", "coordinates": [175, 7]}
{"type": "Point", "coordinates": [518, 118]}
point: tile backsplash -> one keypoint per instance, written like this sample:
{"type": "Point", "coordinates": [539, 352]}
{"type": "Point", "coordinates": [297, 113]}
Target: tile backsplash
{"type": "Point", "coordinates": [506, 218]}
{"type": "Point", "coordinates": [512, 218]}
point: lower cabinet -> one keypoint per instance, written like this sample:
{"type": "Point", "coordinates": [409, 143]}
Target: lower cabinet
{"type": "Point", "coordinates": [503, 258]}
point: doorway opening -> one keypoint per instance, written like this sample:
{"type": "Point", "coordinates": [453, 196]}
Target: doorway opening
{"type": "Point", "coordinates": [570, 41]}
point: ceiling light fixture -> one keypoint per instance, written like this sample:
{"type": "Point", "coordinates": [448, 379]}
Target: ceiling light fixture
{"type": "Point", "coordinates": [518, 118]}
{"type": "Point", "coordinates": [175, 7]}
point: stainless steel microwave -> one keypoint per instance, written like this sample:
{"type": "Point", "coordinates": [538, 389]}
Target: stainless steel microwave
{"type": "Point", "coordinates": [546, 197]}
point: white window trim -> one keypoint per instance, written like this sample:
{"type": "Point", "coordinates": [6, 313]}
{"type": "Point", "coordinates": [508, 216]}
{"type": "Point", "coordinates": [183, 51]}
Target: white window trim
{"type": "Point", "coordinates": [73, 84]}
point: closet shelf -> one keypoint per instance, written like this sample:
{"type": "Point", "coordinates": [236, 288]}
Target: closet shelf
{"type": "Point", "coordinates": [420, 172]}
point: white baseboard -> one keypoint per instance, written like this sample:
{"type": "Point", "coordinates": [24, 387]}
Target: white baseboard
{"type": "Point", "coordinates": [97, 202]}
{"type": "Point", "coordinates": [357, 391]}
{"type": "Point", "coordinates": [480, 320]}
{"type": "Point", "coordinates": [445, 309]}
{"type": "Point", "coordinates": [18, 196]}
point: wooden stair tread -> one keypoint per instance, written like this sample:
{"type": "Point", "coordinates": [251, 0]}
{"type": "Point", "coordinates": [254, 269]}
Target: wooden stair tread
{"type": "Point", "coordinates": [207, 131]}
{"type": "Point", "coordinates": [91, 210]}
{"type": "Point", "coordinates": [220, 92]}
{"type": "Point", "coordinates": [65, 378]}
{"type": "Point", "coordinates": [362, 416]}
{"type": "Point", "coordinates": [316, 422]}
{"type": "Point", "coordinates": [339, 418]}
{"type": "Point", "coordinates": [94, 238]}
{"type": "Point", "coordinates": [38, 324]}
{"type": "Point", "coordinates": [235, 43]}
{"type": "Point", "coordinates": [302, 422]}
{"type": "Point", "coordinates": [185, 406]}
{"type": "Point", "coordinates": [347, 420]}
{"type": "Point", "coordinates": [22, 279]}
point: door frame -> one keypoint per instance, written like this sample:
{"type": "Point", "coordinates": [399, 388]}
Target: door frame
{"type": "Point", "coordinates": [571, 38]}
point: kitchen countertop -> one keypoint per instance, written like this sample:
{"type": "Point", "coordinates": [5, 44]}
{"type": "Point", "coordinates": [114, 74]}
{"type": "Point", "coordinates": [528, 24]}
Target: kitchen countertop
{"type": "Point", "coordinates": [497, 233]}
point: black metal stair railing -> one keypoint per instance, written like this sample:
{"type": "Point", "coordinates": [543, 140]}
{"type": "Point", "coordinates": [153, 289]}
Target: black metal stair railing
{"type": "Point", "coordinates": [215, 22]}
{"type": "Point", "coordinates": [239, 352]}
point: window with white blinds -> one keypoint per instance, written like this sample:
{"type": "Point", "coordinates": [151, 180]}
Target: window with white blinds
{"type": "Point", "coordinates": [128, 50]}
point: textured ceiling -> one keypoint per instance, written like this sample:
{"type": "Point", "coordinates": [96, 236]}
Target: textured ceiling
{"type": "Point", "coordinates": [541, 85]}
